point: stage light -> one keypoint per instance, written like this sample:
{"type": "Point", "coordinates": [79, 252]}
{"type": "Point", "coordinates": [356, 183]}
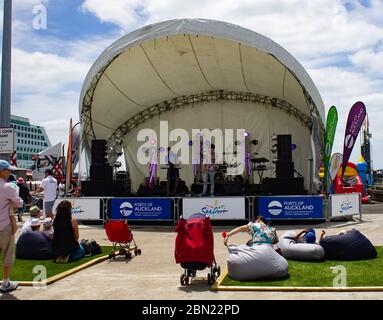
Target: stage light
{"type": "Point", "coordinates": [162, 149]}
{"type": "Point", "coordinates": [293, 146]}
{"type": "Point", "coordinates": [254, 142]}
{"type": "Point", "coordinates": [153, 141]}
{"type": "Point", "coordinates": [118, 150]}
{"type": "Point", "coordinates": [246, 134]}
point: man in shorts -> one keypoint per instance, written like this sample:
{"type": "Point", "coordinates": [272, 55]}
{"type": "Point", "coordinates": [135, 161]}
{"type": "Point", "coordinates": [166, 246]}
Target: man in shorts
{"type": "Point", "coordinates": [49, 186]}
{"type": "Point", "coordinates": [9, 200]}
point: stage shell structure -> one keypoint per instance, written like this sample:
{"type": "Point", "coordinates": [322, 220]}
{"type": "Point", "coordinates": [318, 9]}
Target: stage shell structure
{"type": "Point", "coordinates": [196, 74]}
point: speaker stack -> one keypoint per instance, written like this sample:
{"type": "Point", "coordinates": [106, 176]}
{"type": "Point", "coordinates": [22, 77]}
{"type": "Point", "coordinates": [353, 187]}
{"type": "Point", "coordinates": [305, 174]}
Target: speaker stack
{"type": "Point", "coordinates": [100, 170]}
{"type": "Point", "coordinates": [284, 164]}
{"type": "Point", "coordinates": [101, 181]}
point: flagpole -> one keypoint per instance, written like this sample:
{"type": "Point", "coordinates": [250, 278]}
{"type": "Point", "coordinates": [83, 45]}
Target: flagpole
{"type": "Point", "coordinates": [5, 107]}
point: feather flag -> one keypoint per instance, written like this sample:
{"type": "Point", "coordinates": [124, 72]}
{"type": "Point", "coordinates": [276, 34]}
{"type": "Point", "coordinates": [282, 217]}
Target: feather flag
{"type": "Point", "coordinates": [69, 160]}
{"type": "Point", "coordinates": [332, 121]}
{"type": "Point", "coordinates": [354, 123]}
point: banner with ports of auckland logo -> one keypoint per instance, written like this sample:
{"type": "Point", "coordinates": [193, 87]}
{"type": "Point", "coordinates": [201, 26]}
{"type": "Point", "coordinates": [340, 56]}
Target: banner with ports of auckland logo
{"type": "Point", "coordinates": [83, 208]}
{"type": "Point", "coordinates": [292, 207]}
{"type": "Point", "coordinates": [141, 209]}
{"type": "Point", "coordinates": [215, 208]}
{"type": "Point", "coordinates": [345, 204]}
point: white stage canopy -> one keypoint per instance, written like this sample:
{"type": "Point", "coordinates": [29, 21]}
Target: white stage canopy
{"type": "Point", "coordinates": [200, 74]}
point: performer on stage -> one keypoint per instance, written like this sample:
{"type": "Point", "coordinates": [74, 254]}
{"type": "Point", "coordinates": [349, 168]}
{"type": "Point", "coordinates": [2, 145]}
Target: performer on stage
{"type": "Point", "coordinates": [173, 173]}
{"type": "Point", "coordinates": [209, 171]}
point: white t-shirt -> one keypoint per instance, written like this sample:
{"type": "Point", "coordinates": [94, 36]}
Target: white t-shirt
{"type": "Point", "coordinates": [49, 185]}
{"type": "Point", "coordinates": [27, 225]}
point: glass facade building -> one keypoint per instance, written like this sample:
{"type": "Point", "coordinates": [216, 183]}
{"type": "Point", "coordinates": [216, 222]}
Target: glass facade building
{"type": "Point", "coordinates": [29, 139]}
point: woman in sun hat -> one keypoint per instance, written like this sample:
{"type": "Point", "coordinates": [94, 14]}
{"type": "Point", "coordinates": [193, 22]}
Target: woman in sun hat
{"type": "Point", "coordinates": [34, 213]}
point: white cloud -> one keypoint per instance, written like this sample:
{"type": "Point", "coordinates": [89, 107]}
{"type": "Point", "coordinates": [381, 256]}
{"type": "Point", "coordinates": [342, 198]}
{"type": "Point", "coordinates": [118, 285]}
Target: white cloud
{"type": "Point", "coordinates": [369, 60]}
{"type": "Point", "coordinates": [121, 12]}
{"type": "Point", "coordinates": [41, 72]}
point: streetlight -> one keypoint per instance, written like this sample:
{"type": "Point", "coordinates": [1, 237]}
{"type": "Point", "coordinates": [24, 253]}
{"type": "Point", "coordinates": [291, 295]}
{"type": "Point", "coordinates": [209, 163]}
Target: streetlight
{"type": "Point", "coordinates": [5, 107]}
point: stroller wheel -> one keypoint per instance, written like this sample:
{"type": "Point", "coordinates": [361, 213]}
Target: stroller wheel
{"type": "Point", "coordinates": [128, 255]}
{"type": "Point", "coordinates": [187, 280]}
{"type": "Point", "coordinates": [111, 255]}
{"type": "Point", "coordinates": [137, 252]}
{"type": "Point", "coordinates": [210, 279]}
{"type": "Point", "coordinates": [218, 271]}
{"type": "Point", "coordinates": [122, 252]}
{"type": "Point", "coordinates": [182, 279]}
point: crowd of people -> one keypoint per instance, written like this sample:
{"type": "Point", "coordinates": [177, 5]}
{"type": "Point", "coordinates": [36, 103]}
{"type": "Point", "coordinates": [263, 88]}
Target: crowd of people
{"type": "Point", "coordinates": [56, 236]}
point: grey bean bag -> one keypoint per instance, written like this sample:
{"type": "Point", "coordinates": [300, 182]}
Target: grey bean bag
{"type": "Point", "coordinates": [255, 263]}
{"type": "Point", "coordinates": [299, 251]}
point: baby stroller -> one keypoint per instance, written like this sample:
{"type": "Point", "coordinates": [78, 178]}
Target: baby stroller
{"type": "Point", "coordinates": [194, 248]}
{"type": "Point", "coordinates": [119, 233]}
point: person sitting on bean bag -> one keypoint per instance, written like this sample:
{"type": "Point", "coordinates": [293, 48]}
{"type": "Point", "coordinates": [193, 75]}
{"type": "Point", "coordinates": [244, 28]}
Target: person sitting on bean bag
{"type": "Point", "coordinates": [307, 236]}
{"type": "Point", "coordinates": [301, 246]}
{"type": "Point", "coordinates": [259, 260]}
{"type": "Point", "coordinates": [33, 244]}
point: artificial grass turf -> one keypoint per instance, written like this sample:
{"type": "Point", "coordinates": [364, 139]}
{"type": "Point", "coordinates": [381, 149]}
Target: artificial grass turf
{"type": "Point", "coordinates": [23, 269]}
{"type": "Point", "coordinates": [363, 273]}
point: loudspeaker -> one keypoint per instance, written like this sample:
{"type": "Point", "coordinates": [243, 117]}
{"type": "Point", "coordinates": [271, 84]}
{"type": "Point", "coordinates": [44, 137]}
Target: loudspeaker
{"type": "Point", "coordinates": [253, 189]}
{"type": "Point", "coordinates": [284, 186]}
{"type": "Point", "coordinates": [284, 147]}
{"type": "Point", "coordinates": [101, 172]}
{"type": "Point", "coordinates": [102, 189]}
{"type": "Point", "coordinates": [284, 169]}
{"type": "Point", "coordinates": [99, 151]}
{"type": "Point", "coordinates": [196, 188]}
{"type": "Point", "coordinates": [155, 190]}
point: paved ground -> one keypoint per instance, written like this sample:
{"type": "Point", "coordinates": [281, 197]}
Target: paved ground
{"type": "Point", "coordinates": [154, 275]}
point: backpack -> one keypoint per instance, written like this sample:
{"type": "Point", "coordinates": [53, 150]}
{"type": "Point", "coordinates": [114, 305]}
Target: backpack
{"type": "Point", "coordinates": [91, 247]}
{"type": "Point", "coordinates": [95, 247]}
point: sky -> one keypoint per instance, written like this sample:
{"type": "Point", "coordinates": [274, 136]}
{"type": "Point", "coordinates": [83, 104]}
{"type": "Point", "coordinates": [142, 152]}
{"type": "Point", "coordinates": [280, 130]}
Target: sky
{"type": "Point", "coordinates": [338, 42]}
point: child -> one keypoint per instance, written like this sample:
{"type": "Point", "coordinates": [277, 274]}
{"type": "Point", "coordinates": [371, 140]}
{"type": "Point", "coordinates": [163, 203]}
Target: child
{"type": "Point", "coordinates": [48, 228]}
{"type": "Point", "coordinates": [308, 236]}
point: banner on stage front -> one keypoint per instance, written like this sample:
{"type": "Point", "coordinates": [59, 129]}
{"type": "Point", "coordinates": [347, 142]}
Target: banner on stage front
{"type": "Point", "coordinates": [83, 208]}
{"type": "Point", "coordinates": [291, 207]}
{"type": "Point", "coordinates": [215, 208]}
{"type": "Point", "coordinates": [141, 209]}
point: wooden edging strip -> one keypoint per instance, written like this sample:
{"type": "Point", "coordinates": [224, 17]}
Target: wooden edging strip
{"type": "Point", "coordinates": [218, 287]}
{"type": "Point", "coordinates": [70, 271]}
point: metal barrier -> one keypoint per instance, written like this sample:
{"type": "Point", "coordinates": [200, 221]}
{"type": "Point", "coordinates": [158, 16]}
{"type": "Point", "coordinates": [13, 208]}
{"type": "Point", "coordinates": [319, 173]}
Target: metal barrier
{"type": "Point", "coordinates": [251, 208]}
